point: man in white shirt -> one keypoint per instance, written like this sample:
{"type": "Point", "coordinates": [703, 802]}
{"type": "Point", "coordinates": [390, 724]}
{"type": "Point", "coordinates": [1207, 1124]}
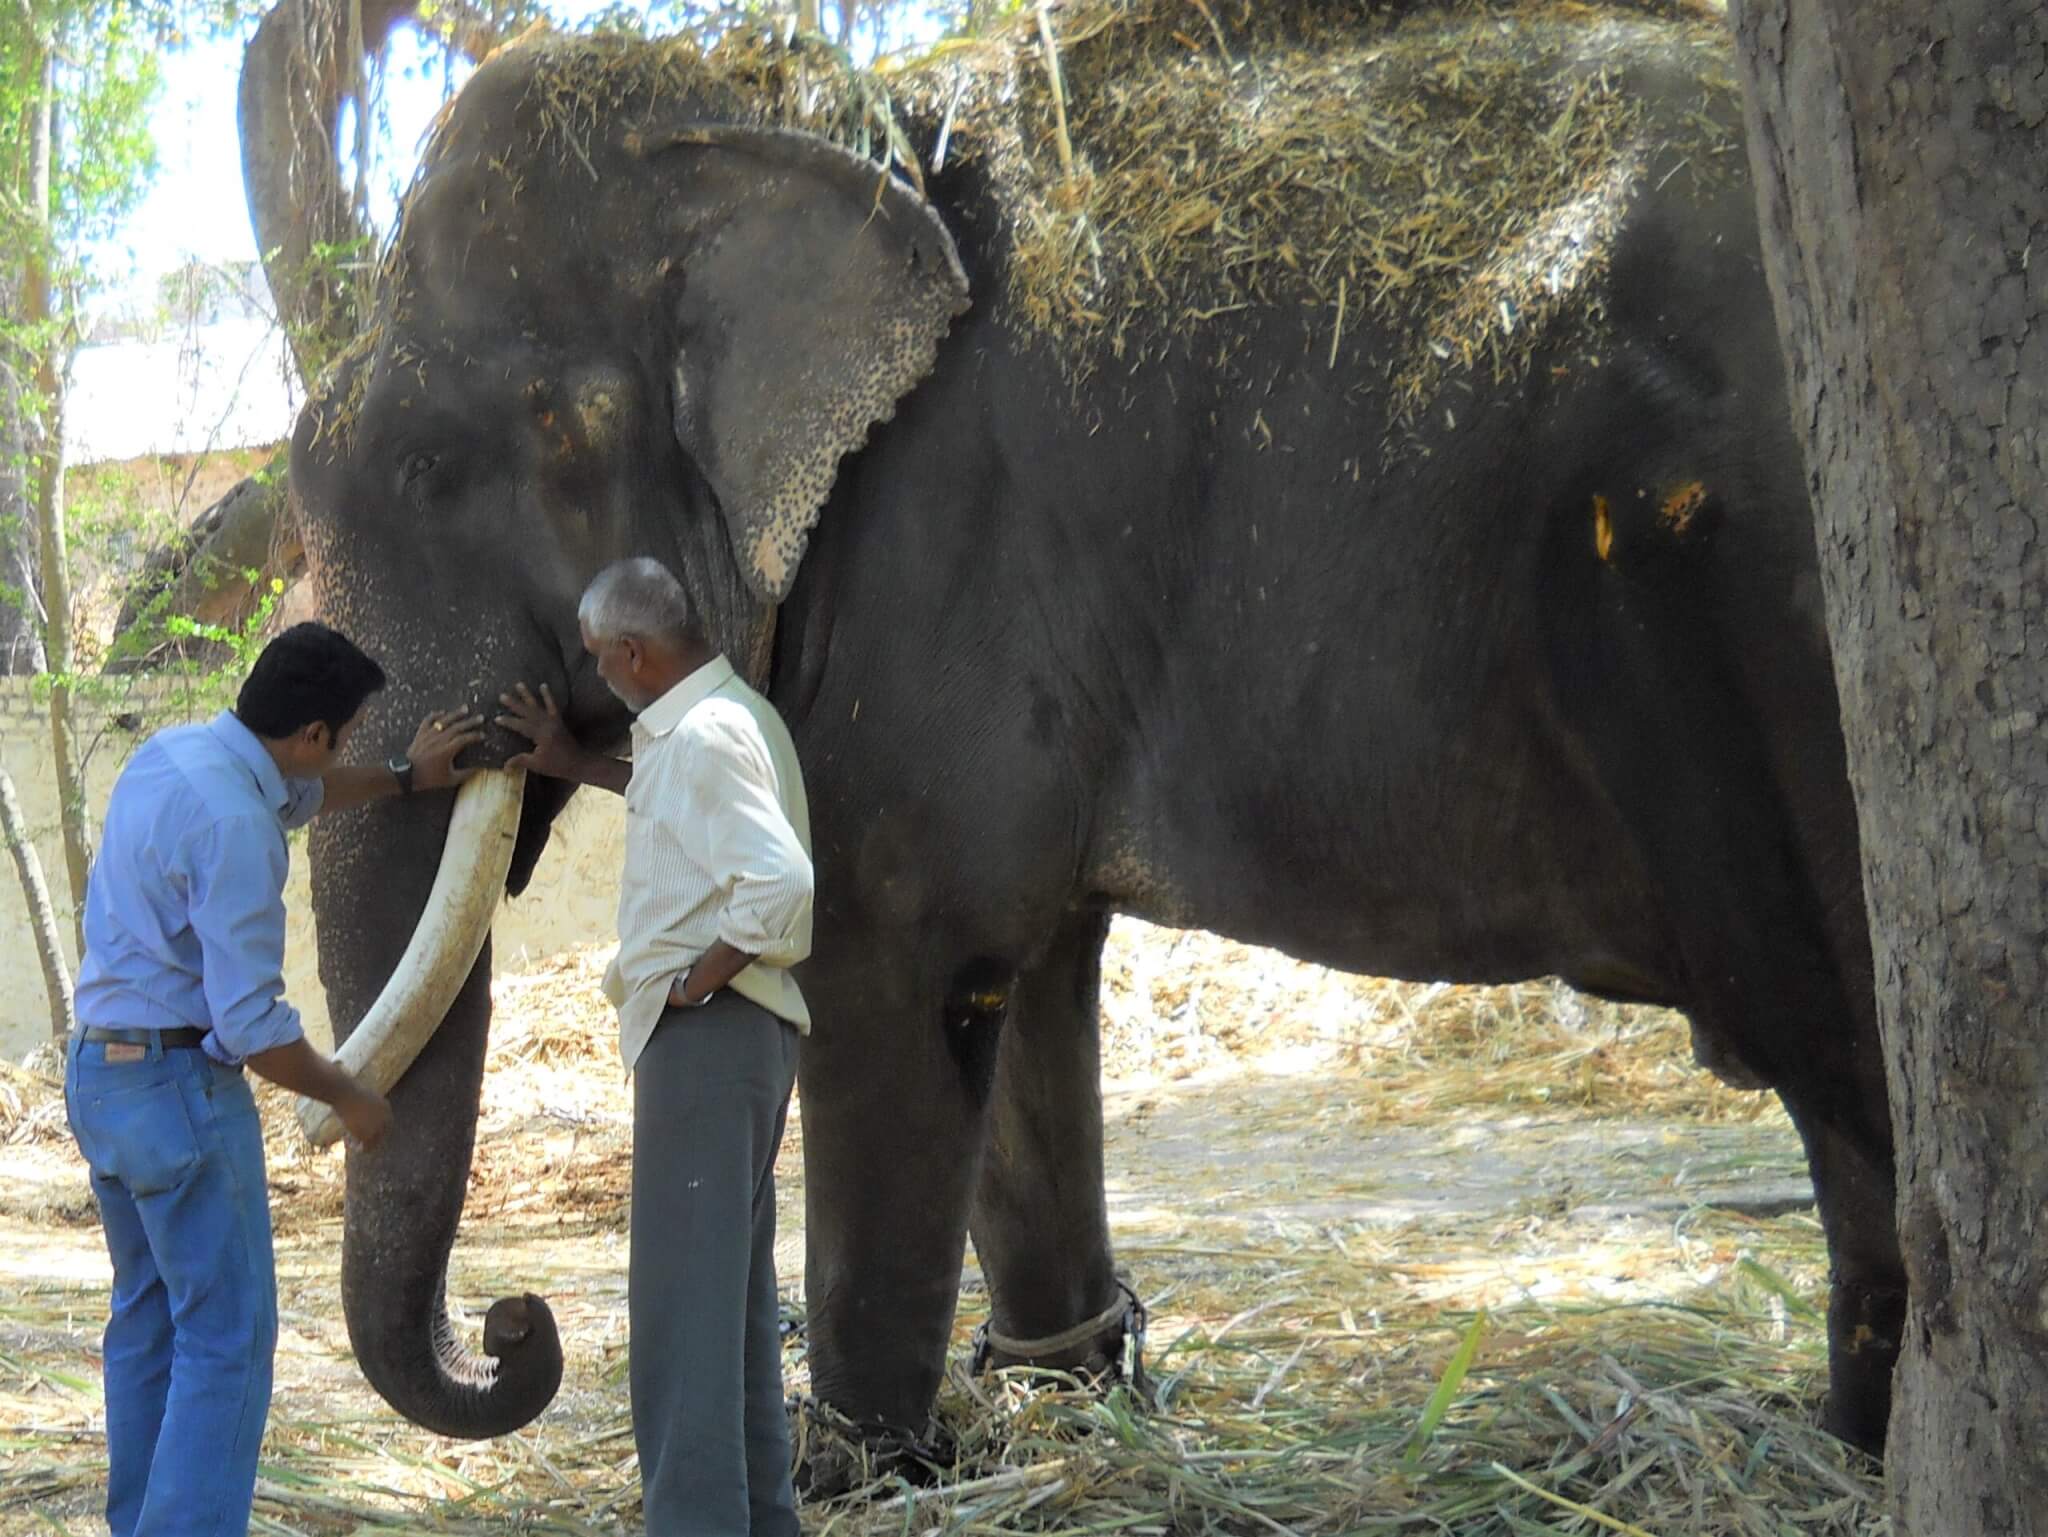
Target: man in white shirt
{"type": "Point", "coordinates": [714, 908]}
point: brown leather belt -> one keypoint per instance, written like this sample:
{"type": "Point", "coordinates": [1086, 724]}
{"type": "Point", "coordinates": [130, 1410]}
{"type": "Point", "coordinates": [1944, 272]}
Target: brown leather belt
{"type": "Point", "coordinates": [183, 1035]}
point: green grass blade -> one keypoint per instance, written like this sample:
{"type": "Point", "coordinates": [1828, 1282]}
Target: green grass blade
{"type": "Point", "coordinates": [1447, 1387]}
{"type": "Point", "coordinates": [1777, 1286]}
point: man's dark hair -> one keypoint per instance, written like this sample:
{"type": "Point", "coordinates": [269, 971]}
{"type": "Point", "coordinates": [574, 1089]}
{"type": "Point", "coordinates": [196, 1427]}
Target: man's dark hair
{"type": "Point", "coordinates": [309, 673]}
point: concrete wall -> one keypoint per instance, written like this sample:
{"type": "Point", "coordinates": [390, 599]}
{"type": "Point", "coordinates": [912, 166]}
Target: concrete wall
{"type": "Point", "coordinates": [572, 900]}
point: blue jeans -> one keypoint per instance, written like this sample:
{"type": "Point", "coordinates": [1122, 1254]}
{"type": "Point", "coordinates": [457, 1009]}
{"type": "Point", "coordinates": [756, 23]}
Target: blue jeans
{"type": "Point", "coordinates": [176, 1156]}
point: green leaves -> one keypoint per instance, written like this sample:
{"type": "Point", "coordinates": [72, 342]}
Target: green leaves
{"type": "Point", "coordinates": [103, 80]}
{"type": "Point", "coordinates": [1446, 1391]}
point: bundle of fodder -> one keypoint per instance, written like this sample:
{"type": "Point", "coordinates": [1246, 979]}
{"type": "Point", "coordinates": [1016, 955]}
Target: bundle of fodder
{"type": "Point", "coordinates": [1638, 1420]}
{"type": "Point", "coordinates": [1446, 177]}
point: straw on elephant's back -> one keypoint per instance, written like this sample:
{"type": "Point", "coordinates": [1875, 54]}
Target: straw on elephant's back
{"type": "Point", "coordinates": [1453, 174]}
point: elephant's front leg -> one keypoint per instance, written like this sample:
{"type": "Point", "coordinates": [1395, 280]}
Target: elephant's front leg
{"type": "Point", "coordinates": [1041, 1230]}
{"type": "Point", "coordinates": [893, 1101]}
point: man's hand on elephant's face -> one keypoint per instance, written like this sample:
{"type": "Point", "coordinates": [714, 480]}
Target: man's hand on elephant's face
{"type": "Point", "coordinates": [555, 752]}
{"type": "Point", "coordinates": [436, 745]}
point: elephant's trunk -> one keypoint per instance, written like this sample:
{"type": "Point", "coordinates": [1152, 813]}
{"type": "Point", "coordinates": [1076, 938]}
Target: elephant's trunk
{"type": "Point", "coordinates": [404, 1202]}
{"type": "Point", "coordinates": [405, 1196]}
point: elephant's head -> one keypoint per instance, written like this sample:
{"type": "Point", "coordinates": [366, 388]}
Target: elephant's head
{"type": "Point", "coordinates": [610, 324]}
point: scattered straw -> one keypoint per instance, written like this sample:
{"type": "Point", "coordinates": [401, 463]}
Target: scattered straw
{"type": "Point", "coordinates": [1648, 1372]}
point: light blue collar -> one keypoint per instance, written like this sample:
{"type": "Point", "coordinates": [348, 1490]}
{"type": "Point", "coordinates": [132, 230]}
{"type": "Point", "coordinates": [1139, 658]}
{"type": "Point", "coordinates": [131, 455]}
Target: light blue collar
{"type": "Point", "coordinates": [238, 739]}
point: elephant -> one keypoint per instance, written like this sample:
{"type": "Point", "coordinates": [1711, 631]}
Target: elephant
{"type": "Point", "coordinates": [1371, 530]}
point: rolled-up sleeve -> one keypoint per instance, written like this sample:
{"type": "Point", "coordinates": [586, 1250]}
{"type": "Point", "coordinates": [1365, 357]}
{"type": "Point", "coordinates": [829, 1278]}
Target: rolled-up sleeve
{"type": "Point", "coordinates": [235, 881]}
{"type": "Point", "coordinates": [754, 854]}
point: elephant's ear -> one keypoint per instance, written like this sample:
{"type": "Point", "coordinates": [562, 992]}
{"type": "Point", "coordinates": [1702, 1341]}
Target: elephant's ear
{"type": "Point", "coordinates": [811, 292]}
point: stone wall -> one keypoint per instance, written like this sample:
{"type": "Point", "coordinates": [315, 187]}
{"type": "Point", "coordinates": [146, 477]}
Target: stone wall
{"type": "Point", "coordinates": [571, 901]}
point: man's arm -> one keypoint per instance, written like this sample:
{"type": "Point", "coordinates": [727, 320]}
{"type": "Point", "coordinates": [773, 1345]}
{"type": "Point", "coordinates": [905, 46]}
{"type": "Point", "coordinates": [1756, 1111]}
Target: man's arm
{"type": "Point", "coordinates": [435, 745]}
{"type": "Point", "coordinates": [555, 752]}
{"type": "Point", "coordinates": [298, 1067]}
{"type": "Point", "coordinates": [754, 854]}
{"type": "Point", "coordinates": [236, 882]}
{"type": "Point", "coordinates": [715, 969]}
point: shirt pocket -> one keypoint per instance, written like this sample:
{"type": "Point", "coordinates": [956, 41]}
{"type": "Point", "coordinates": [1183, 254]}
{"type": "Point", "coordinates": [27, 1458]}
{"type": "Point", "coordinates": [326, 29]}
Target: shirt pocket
{"type": "Point", "coordinates": [137, 1133]}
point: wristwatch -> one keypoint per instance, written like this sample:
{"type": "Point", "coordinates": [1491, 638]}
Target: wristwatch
{"type": "Point", "coordinates": [401, 770]}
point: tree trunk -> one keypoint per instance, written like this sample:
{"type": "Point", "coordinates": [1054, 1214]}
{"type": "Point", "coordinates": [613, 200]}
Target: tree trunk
{"type": "Point", "coordinates": [21, 638]}
{"type": "Point", "coordinates": [1897, 148]}
{"type": "Point", "coordinates": [304, 63]}
{"type": "Point", "coordinates": [296, 75]}
{"type": "Point", "coordinates": [49, 950]}
{"type": "Point", "coordinates": [203, 576]}
{"type": "Point", "coordinates": [48, 466]}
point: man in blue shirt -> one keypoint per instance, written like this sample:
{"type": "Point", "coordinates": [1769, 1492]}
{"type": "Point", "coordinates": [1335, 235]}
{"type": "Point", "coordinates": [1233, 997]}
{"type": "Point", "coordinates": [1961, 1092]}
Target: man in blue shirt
{"type": "Point", "coordinates": [182, 985]}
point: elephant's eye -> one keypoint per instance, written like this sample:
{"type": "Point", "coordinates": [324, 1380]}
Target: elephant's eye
{"type": "Point", "coordinates": [417, 465]}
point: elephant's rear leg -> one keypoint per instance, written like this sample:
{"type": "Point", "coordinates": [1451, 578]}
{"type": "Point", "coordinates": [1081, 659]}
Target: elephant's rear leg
{"type": "Point", "coordinates": [1854, 1187]}
{"type": "Point", "coordinates": [1040, 1226]}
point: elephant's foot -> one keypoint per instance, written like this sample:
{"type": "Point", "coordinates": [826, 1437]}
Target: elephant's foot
{"type": "Point", "coordinates": [1865, 1325]}
{"type": "Point", "coordinates": [836, 1456]}
{"type": "Point", "coordinates": [1104, 1350]}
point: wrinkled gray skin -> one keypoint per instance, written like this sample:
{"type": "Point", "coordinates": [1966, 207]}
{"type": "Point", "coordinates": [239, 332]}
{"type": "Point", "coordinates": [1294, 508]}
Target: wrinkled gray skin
{"type": "Point", "coordinates": [1053, 653]}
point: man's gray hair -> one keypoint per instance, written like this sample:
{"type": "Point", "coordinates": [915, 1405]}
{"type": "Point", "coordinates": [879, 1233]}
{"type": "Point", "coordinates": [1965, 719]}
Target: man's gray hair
{"type": "Point", "coordinates": [639, 597]}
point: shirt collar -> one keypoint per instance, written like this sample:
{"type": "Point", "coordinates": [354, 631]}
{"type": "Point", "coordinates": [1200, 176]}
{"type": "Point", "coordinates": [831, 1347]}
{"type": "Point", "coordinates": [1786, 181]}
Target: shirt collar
{"type": "Point", "coordinates": [248, 748]}
{"type": "Point", "coordinates": [667, 712]}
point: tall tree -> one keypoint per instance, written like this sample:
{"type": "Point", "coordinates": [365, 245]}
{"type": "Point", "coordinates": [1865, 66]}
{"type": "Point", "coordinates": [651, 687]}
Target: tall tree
{"type": "Point", "coordinates": [309, 67]}
{"type": "Point", "coordinates": [42, 918]}
{"type": "Point", "coordinates": [46, 463]}
{"type": "Point", "coordinates": [308, 60]}
{"type": "Point", "coordinates": [75, 78]}
{"type": "Point", "coordinates": [1899, 147]}
{"type": "Point", "coordinates": [21, 630]}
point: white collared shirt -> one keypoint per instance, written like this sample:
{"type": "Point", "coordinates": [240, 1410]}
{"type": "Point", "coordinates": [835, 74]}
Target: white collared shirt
{"type": "Point", "coordinates": [718, 838]}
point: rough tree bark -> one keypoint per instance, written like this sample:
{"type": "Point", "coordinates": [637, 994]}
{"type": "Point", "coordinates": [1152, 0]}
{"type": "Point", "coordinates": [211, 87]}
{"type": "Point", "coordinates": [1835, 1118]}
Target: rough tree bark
{"type": "Point", "coordinates": [1898, 151]}
{"type": "Point", "coordinates": [42, 918]}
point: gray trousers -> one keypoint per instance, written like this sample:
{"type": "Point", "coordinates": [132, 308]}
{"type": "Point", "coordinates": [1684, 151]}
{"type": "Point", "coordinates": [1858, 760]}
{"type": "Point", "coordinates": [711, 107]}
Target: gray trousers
{"type": "Point", "coordinates": [710, 1094]}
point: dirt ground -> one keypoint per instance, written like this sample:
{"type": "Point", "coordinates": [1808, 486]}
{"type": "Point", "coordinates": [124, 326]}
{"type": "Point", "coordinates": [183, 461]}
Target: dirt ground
{"type": "Point", "coordinates": [1350, 1160]}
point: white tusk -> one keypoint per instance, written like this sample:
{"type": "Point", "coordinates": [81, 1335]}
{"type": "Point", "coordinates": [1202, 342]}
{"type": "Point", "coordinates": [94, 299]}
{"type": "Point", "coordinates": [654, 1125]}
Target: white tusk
{"type": "Point", "coordinates": [451, 931]}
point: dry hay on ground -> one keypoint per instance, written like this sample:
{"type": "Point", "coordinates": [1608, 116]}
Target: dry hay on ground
{"type": "Point", "coordinates": [1175, 1002]}
{"type": "Point", "coordinates": [1662, 1374]}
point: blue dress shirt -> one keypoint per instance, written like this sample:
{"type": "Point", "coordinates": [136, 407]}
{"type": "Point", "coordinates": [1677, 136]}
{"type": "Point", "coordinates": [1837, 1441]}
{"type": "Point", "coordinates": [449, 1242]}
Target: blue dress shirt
{"type": "Point", "coordinates": [184, 912]}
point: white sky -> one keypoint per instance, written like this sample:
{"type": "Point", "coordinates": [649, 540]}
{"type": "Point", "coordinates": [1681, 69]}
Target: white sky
{"type": "Point", "coordinates": [228, 385]}
{"type": "Point", "coordinates": [195, 207]}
